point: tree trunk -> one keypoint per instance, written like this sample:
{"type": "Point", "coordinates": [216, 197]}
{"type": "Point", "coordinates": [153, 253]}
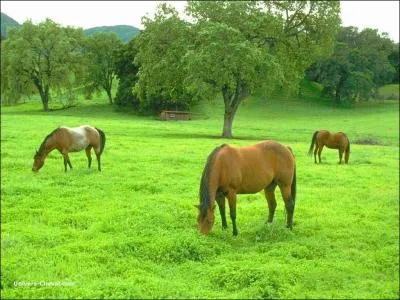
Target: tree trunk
{"type": "Point", "coordinates": [109, 96]}
{"type": "Point", "coordinates": [44, 93]}
{"type": "Point", "coordinates": [45, 102]}
{"type": "Point", "coordinates": [232, 101]}
{"type": "Point", "coordinates": [228, 120]}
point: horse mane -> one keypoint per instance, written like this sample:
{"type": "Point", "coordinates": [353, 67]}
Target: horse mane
{"type": "Point", "coordinates": [204, 192]}
{"type": "Point", "coordinates": [42, 146]}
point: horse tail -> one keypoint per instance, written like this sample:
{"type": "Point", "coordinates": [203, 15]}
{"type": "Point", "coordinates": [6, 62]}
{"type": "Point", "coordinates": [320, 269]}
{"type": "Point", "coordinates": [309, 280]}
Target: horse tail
{"type": "Point", "coordinates": [312, 142]}
{"type": "Point", "coordinates": [293, 186]}
{"type": "Point", "coordinates": [204, 193]}
{"type": "Point", "coordinates": [348, 145]}
{"type": "Point", "coordinates": [102, 139]}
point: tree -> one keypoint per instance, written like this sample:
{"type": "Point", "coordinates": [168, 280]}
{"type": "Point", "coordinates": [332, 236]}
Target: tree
{"type": "Point", "coordinates": [44, 57]}
{"type": "Point", "coordinates": [127, 73]}
{"type": "Point", "coordinates": [161, 47]}
{"type": "Point", "coordinates": [358, 67]}
{"type": "Point", "coordinates": [231, 49]}
{"type": "Point", "coordinates": [100, 49]}
{"type": "Point", "coordinates": [394, 61]}
{"type": "Point", "coordinates": [243, 46]}
{"type": "Point", "coordinates": [223, 61]}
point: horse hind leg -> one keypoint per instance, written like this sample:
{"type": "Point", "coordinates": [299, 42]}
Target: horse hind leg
{"type": "Point", "coordinates": [232, 209]}
{"type": "Point", "coordinates": [289, 204]}
{"type": "Point", "coordinates": [97, 152]}
{"type": "Point", "coordinates": [89, 156]}
{"type": "Point", "coordinates": [221, 205]}
{"type": "Point", "coordinates": [270, 196]}
{"type": "Point", "coordinates": [340, 155]}
{"type": "Point", "coordinates": [319, 152]}
{"type": "Point", "coordinates": [315, 154]}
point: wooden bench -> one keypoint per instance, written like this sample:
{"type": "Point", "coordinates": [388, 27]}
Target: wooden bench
{"type": "Point", "coordinates": [167, 115]}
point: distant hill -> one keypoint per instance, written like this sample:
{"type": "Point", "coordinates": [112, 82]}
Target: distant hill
{"type": "Point", "coordinates": [124, 32]}
{"type": "Point", "coordinates": [7, 22]}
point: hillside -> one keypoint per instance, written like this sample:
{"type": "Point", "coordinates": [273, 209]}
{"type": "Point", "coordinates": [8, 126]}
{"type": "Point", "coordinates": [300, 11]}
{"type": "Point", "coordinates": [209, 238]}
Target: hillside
{"type": "Point", "coordinates": [124, 32]}
{"type": "Point", "coordinates": [7, 22]}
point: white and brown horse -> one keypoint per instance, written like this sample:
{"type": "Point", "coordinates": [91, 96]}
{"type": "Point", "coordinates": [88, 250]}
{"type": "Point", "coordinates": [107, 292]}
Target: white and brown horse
{"type": "Point", "coordinates": [66, 140]}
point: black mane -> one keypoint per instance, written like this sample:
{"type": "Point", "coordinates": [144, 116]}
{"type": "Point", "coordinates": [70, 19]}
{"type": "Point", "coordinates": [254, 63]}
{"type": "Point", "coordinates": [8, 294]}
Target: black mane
{"type": "Point", "coordinates": [42, 146]}
{"type": "Point", "coordinates": [204, 189]}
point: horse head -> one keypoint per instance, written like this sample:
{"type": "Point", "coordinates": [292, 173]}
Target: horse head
{"type": "Point", "coordinates": [38, 162]}
{"type": "Point", "coordinates": [205, 219]}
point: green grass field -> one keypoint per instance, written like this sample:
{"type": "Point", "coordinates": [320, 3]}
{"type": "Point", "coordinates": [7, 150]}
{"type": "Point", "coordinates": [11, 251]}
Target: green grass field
{"type": "Point", "coordinates": [130, 230]}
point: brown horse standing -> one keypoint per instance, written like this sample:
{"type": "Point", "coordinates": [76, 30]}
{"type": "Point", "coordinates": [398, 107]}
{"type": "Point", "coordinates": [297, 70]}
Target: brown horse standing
{"type": "Point", "coordinates": [230, 171]}
{"type": "Point", "coordinates": [337, 140]}
{"type": "Point", "coordinates": [66, 140]}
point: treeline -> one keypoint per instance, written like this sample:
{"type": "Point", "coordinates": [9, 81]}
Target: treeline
{"type": "Point", "coordinates": [48, 59]}
{"type": "Point", "coordinates": [228, 48]}
{"type": "Point", "coordinates": [361, 63]}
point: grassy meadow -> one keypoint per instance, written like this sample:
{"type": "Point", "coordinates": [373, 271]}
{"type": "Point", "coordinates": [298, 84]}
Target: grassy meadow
{"type": "Point", "coordinates": [129, 231]}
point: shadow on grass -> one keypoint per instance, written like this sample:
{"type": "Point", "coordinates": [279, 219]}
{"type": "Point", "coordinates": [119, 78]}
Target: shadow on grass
{"type": "Point", "coordinates": [194, 135]}
{"type": "Point", "coordinates": [88, 110]}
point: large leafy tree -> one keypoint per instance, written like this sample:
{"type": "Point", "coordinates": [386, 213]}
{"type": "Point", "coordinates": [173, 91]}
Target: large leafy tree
{"type": "Point", "coordinates": [41, 57]}
{"type": "Point", "coordinates": [127, 73]}
{"type": "Point", "coordinates": [242, 46]}
{"type": "Point", "coordinates": [359, 65]}
{"type": "Point", "coordinates": [233, 48]}
{"type": "Point", "coordinates": [161, 46]}
{"type": "Point", "coordinates": [100, 60]}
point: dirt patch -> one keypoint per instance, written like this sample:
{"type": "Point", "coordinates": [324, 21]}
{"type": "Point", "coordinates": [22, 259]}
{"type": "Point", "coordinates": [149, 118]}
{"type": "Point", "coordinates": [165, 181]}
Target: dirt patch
{"type": "Point", "coordinates": [367, 141]}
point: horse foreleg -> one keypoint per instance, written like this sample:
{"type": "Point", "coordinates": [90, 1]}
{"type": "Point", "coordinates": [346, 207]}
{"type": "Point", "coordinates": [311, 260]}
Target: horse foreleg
{"type": "Point", "coordinates": [270, 196]}
{"type": "Point", "coordinates": [221, 205]}
{"type": "Point", "coordinates": [232, 209]}
{"type": "Point", "coordinates": [289, 204]}
{"type": "Point", "coordinates": [89, 156]}
{"type": "Point", "coordinates": [66, 161]}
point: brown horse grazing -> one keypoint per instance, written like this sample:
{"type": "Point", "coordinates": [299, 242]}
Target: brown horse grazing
{"type": "Point", "coordinates": [66, 139]}
{"type": "Point", "coordinates": [337, 140]}
{"type": "Point", "coordinates": [230, 171]}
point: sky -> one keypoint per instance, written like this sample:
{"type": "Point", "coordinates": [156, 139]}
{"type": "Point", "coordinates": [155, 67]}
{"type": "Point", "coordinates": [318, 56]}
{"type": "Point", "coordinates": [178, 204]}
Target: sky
{"type": "Point", "coordinates": [381, 15]}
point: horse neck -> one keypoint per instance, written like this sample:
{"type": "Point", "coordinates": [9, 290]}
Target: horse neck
{"type": "Point", "coordinates": [49, 146]}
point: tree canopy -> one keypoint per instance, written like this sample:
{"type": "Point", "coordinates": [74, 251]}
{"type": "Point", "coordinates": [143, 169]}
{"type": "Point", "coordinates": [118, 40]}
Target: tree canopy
{"type": "Point", "coordinates": [100, 52]}
{"type": "Point", "coordinates": [359, 65]}
{"type": "Point", "coordinates": [231, 49]}
{"type": "Point", "coordinates": [41, 57]}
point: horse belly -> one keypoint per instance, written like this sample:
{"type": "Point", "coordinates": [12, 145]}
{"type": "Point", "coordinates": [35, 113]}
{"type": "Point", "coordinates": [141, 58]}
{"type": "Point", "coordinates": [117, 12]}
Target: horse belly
{"type": "Point", "coordinates": [79, 140]}
{"type": "Point", "coordinates": [252, 188]}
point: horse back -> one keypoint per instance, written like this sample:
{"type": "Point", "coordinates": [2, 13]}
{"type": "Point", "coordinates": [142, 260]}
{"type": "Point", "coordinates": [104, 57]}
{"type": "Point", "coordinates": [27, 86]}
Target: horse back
{"type": "Point", "coordinates": [78, 138]}
{"type": "Point", "coordinates": [250, 169]}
